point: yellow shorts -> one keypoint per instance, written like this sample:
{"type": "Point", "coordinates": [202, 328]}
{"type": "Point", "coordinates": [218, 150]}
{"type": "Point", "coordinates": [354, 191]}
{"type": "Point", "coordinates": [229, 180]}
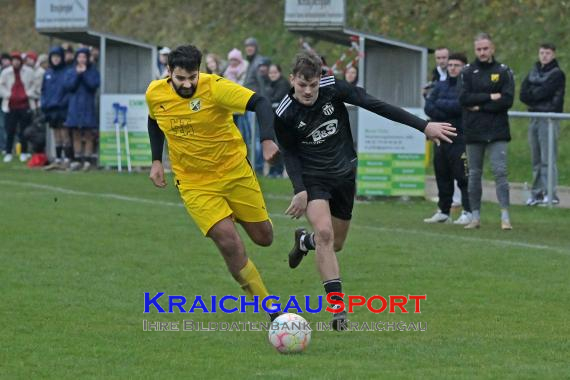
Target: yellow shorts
{"type": "Point", "coordinates": [237, 194]}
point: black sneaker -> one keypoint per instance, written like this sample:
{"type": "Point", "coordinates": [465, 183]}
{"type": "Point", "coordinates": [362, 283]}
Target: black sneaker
{"type": "Point", "coordinates": [273, 316]}
{"type": "Point", "coordinates": [297, 254]}
{"type": "Point", "coordinates": [339, 321]}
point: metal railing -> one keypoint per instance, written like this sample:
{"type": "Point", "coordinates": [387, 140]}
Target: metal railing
{"type": "Point", "coordinates": [549, 116]}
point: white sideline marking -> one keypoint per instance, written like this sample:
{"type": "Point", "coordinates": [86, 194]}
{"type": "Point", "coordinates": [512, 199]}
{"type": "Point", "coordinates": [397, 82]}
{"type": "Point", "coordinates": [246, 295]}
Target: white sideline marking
{"type": "Point", "coordinates": [273, 215]}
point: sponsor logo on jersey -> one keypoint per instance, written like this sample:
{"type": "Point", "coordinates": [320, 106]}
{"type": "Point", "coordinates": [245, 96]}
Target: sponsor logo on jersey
{"type": "Point", "coordinates": [323, 131]}
{"type": "Point", "coordinates": [301, 125]}
{"type": "Point", "coordinates": [328, 109]}
{"type": "Point", "coordinates": [195, 105]}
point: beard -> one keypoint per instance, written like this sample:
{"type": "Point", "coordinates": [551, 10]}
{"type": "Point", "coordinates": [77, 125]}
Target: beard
{"type": "Point", "coordinates": [184, 92]}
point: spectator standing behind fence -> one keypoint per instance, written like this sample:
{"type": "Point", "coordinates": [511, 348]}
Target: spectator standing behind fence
{"type": "Point", "coordinates": [449, 164]}
{"type": "Point", "coordinates": [486, 95]}
{"type": "Point", "coordinates": [254, 82]}
{"type": "Point", "coordinates": [351, 75]}
{"type": "Point", "coordinates": [54, 103]}
{"type": "Point", "coordinates": [18, 102]}
{"type": "Point", "coordinates": [236, 72]}
{"type": "Point", "coordinates": [161, 65]}
{"type": "Point", "coordinates": [82, 82]}
{"type": "Point", "coordinates": [237, 67]}
{"type": "Point", "coordinates": [5, 62]}
{"type": "Point", "coordinates": [277, 88]}
{"type": "Point", "coordinates": [543, 91]}
{"type": "Point", "coordinates": [214, 64]}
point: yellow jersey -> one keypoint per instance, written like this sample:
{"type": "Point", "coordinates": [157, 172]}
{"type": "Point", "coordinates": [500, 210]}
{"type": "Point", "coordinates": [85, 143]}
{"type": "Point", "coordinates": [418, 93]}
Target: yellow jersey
{"type": "Point", "coordinates": [204, 144]}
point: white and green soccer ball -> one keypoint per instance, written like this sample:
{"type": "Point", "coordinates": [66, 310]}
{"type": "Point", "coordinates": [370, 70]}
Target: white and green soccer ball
{"type": "Point", "coordinates": [290, 333]}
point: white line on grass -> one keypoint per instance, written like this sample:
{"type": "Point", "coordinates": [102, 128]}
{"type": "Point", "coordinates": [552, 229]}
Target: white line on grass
{"type": "Point", "coordinates": [273, 215]}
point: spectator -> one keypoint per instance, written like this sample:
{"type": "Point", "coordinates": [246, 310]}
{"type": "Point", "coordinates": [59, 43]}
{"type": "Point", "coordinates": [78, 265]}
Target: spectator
{"type": "Point", "coordinates": [94, 58]}
{"type": "Point", "coordinates": [449, 159]}
{"type": "Point", "coordinates": [54, 103]}
{"type": "Point", "coordinates": [82, 82]}
{"type": "Point", "coordinates": [213, 64]}
{"type": "Point", "coordinates": [5, 62]}
{"type": "Point", "coordinates": [17, 92]}
{"type": "Point", "coordinates": [162, 67]}
{"type": "Point", "coordinates": [351, 75]}
{"type": "Point", "coordinates": [41, 65]}
{"type": "Point", "coordinates": [439, 73]}
{"type": "Point", "coordinates": [486, 95]}
{"type": "Point", "coordinates": [237, 67]}
{"type": "Point", "coordinates": [69, 55]}
{"type": "Point", "coordinates": [543, 91]}
{"type": "Point", "coordinates": [277, 88]}
{"type": "Point", "coordinates": [254, 82]}
{"type": "Point", "coordinates": [30, 58]}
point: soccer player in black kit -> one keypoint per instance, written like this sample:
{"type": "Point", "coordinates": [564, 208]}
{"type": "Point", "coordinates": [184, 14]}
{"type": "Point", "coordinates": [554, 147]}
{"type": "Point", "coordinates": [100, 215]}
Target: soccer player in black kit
{"type": "Point", "coordinates": [313, 130]}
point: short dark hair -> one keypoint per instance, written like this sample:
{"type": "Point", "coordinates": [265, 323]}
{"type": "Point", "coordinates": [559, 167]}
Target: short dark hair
{"type": "Point", "coordinates": [187, 57]}
{"type": "Point", "coordinates": [458, 57]}
{"type": "Point", "coordinates": [483, 36]}
{"type": "Point", "coordinates": [308, 65]}
{"type": "Point", "coordinates": [547, 45]}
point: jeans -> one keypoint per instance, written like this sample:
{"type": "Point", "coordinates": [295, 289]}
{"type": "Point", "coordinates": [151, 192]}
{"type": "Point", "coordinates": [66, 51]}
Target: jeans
{"type": "Point", "coordinates": [538, 141]}
{"type": "Point", "coordinates": [498, 157]}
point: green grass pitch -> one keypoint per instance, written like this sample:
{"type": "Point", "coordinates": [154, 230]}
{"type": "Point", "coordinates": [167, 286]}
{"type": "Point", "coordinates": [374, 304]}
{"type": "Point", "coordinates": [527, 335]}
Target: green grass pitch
{"type": "Point", "coordinates": [78, 251]}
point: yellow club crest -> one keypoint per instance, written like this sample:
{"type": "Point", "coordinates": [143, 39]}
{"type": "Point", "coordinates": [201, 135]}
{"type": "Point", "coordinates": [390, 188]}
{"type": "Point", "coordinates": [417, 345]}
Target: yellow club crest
{"type": "Point", "coordinates": [494, 77]}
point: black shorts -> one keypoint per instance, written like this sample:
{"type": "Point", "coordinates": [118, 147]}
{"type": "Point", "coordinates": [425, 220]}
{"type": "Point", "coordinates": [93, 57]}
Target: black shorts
{"type": "Point", "coordinates": [338, 191]}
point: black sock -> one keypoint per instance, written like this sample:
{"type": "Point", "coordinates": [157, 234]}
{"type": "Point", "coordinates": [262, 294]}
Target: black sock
{"type": "Point", "coordinates": [309, 241]}
{"type": "Point", "coordinates": [69, 153]}
{"type": "Point", "coordinates": [333, 286]}
{"type": "Point", "coordinates": [58, 152]}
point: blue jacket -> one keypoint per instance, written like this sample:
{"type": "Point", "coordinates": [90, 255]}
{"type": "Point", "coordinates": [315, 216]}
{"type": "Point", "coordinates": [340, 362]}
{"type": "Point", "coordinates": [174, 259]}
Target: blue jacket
{"type": "Point", "coordinates": [443, 104]}
{"type": "Point", "coordinates": [82, 88]}
{"type": "Point", "coordinates": [54, 98]}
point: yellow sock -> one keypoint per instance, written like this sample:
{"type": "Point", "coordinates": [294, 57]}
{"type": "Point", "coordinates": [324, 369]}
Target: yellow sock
{"type": "Point", "coordinates": [251, 282]}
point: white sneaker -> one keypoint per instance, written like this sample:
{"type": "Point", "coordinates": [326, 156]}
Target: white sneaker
{"type": "Point", "coordinates": [544, 201]}
{"type": "Point", "coordinates": [464, 218]}
{"type": "Point", "coordinates": [532, 201]}
{"type": "Point", "coordinates": [24, 157]}
{"type": "Point", "coordinates": [8, 158]}
{"type": "Point", "coordinates": [438, 217]}
{"type": "Point", "coordinates": [75, 166]}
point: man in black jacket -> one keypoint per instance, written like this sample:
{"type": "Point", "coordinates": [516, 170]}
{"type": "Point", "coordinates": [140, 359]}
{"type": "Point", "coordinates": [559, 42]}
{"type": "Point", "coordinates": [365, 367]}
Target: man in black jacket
{"type": "Point", "coordinates": [487, 94]}
{"type": "Point", "coordinates": [543, 91]}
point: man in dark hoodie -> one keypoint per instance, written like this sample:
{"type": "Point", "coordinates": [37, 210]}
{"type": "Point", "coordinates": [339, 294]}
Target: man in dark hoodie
{"type": "Point", "coordinates": [486, 95]}
{"type": "Point", "coordinates": [543, 91]}
{"type": "Point", "coordinates": [82, 81]}
{"type": "Point", "coordinates": [442, 104]}
{"type": "Point", "coordinates": [54, 102]}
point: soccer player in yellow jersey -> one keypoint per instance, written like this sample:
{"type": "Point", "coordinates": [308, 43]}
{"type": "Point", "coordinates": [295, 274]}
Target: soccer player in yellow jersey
{"type": "Point", "coordinates": [194, 111]}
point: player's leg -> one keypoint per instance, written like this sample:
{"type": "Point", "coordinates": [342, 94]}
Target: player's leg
{"type": "Point", "coordinates": [225, 236]}
{"type": "Point", "coordinates": [213, 215]}
{"type": "Point", "coordinates": [340, 229]}
{"type": "Point", "coordinates": [245, 199]}
{"type": "Point", "coordinates": [319, 215]}
{"type": "Point", "coordinates": [261, 233]}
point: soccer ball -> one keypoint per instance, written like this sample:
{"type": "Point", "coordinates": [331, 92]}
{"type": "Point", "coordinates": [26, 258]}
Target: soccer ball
{"type": "Point", "coordinates": [290, 333]}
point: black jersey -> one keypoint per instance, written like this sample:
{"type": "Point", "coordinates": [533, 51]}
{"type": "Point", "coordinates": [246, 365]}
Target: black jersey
{"type": "Point", "coordinates": [316, 140]}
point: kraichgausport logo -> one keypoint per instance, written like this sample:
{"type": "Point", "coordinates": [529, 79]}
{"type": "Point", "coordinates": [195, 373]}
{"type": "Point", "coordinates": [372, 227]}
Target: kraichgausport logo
{"type": "Point", "coordinates": [231, 304]}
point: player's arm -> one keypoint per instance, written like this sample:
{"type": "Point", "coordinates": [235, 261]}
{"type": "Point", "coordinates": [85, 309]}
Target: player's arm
{"type": "Point", "coordinates": [262, 108]}
{"type": "Point", "coordinates": [357, 96]}
{"type": "Point", "coordinates": [503, 100]}
{"type": "Point", "coordinates": [294, 168]}
{"type": "Point", "coordinates": [467, 97]}
{"type": "Point", "coordinates": [156, 137]}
